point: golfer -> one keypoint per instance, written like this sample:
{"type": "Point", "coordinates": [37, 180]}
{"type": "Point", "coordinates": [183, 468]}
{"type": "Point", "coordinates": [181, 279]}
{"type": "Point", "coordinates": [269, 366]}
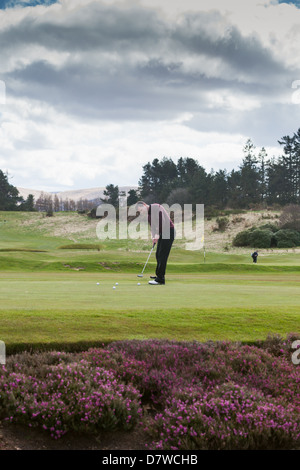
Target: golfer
{"type": "Point", "coordinates": [254, 256]}
{"type": "Point", "coordinates": [163, 234]}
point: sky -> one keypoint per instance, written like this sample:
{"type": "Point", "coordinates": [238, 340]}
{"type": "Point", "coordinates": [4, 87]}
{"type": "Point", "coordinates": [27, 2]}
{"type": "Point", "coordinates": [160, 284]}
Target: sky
{"type": "Point", "coordinates": [92, 90]}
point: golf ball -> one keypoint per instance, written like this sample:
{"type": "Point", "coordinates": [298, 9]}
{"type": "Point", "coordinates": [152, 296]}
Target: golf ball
{"type": "Point", "coordinates": [97, 283]}
{"type": "Point", "coordinates": [139, 284]}
{"type": "Point", "coordinates": [114, 287]}
{"type": "Point", "coordinates": [117, 283]}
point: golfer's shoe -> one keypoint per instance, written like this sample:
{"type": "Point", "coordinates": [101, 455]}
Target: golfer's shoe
{"type": "Point", "coordinates": [156, 283]}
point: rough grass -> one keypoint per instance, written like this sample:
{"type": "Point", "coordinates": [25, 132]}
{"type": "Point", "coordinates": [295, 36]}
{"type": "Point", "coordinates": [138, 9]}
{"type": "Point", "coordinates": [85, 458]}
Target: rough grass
{"type": "Point", "coordinates": [29, 229]}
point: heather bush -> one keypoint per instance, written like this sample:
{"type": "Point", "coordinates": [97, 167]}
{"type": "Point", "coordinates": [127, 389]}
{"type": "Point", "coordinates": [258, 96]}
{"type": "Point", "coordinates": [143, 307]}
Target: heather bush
{"type": "Point", "coordinates": [215, 395]}
{"type": "Point", "coordinates": [231, 417]}
{"type": "Point", "coordinates": [195, 386]}
{"type": "Point", "coordinates": [67, 396]}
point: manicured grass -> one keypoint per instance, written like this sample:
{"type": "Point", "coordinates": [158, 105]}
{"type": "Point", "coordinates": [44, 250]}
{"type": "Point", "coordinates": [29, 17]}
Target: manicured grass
{"type": "Point", "coordinates": [56, 308]}
{"type": "Point", "coordinates": [73, 291]}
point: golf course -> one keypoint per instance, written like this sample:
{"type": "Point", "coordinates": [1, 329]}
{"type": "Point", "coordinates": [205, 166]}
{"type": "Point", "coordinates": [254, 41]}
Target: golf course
{"type": "Point", "coordinates": [61, 287]}
{"type": "Point", "coordinates": [96, 358]}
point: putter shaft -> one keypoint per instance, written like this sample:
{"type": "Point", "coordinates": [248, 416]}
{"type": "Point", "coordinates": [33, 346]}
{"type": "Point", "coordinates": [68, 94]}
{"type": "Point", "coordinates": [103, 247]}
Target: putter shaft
{"type": "Point", "coordinates": [141, 275]}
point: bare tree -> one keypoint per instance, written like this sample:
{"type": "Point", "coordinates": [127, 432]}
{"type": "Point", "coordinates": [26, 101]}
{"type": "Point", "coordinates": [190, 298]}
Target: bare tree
{"type": "Point", "coordinates": [290, 217]}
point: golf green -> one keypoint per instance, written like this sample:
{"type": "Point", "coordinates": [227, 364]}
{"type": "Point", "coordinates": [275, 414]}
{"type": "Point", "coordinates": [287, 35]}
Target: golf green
{"type": "Point", "coordinates": [61, 309]}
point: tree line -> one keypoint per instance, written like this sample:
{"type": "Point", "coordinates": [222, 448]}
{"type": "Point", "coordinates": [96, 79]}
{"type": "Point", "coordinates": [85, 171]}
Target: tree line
{"type": "Point", "coordinates": [53, 203]}
{"type": "Point", "coordinates": [10, 200]}
{"type": "Point", "coordinates": [259, 180]}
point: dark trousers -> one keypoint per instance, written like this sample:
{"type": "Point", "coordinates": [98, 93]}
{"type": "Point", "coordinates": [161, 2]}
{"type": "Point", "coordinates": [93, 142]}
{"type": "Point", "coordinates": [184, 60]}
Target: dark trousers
{"type": "Point", "coordinates": [162, 253]}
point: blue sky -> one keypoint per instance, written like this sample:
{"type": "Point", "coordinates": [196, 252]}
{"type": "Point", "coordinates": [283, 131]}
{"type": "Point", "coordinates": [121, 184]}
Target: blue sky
{"type": "Point", "coordinates": [26, 3]}
{"type": "Point", "coordinates": [295, 2]}
{"type": "Point", "coordinates": [97, 88]}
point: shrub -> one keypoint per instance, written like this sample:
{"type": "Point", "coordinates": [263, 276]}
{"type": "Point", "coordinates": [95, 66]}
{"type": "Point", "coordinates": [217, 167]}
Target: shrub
{"type": "Point", "coordinates": [273, 227]}
{"type": "Point", "coordinates": [286, 238]}
{"type": "Point", "coordinates": [201, 395]}
{"type": "Point", "coordinates": [238, 220]}
{"type": "Point", "coordinates": [261, 238]}
{"type": "Point", "coordinates": [222, 223]}
{"type": "Point", "coordinates": [211, 211]}
{"type": "Point", "coordinates": [49, 213]}
{"type": "Point", "coordinates": [233, 417]}
{"type": "Point", "coordinates": [255, 238]}
{"type": "Point", "coordinates": [242, 239]}
{"type": "Point", "coordinates": [67, 396]}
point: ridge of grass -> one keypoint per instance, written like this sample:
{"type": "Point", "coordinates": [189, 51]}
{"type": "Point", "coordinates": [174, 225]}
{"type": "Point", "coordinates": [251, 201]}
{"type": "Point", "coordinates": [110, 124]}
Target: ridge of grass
{"type": "Point", "coordinates": [57, 329]}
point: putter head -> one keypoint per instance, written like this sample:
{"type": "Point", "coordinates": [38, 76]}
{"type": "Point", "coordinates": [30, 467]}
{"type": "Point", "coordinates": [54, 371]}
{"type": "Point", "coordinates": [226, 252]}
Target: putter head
{"type": "Point", "coordinates": [139, 275]}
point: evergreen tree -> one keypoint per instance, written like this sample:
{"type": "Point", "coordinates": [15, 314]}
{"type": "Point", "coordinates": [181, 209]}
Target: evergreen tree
{"type": "Point", "coordinates": [133, 197]}
{"type": "Point", "coordinates": [278, 183]}
{"type": "Point", "coordinates": [250, 187]}
{"type": "Point", "coordinates": [28, 205]}
{"type": "Point", "coordinates": [9, 195]}
{"type": "Point", "coordinates": [158, 180]}
{"type": "Point", "coordinates": [262, 159]}
{"type": "Point", "coordinates": [200, 186]}
{"type": "Point", "coordinates": [220, 189]}
{"type": "Point", "coordinates": [234, 189]}
{"type": "Point", "coordinates": [186, 170]}
{"type": "Point", "coordinates": [112, 195]}
{"type": "Point", "coordinates": [288, 161]}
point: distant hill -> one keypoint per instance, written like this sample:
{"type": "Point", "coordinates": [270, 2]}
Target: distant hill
{"type": "Point", "coordinates": [90, 194]}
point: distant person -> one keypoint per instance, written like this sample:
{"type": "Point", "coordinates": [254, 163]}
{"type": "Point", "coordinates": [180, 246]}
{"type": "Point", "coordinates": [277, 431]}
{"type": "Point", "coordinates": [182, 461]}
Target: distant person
{"type": "Point", "coordinates": [255, 256]}
{"type": "Point", "coordinates": [163, 234]}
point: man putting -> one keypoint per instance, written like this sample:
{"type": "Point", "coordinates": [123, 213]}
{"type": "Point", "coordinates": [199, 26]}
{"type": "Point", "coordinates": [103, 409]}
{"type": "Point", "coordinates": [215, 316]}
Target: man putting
{"type": "Point", "coordinates": [163, 234]}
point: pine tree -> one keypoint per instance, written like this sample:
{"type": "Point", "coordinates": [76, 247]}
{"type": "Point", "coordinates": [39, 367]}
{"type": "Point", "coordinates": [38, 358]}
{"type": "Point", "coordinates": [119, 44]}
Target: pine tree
{"type": "Point", "coordinates": [9, 195]}
{"type": "Point", "coordinates": [249, 176]}
{"type": "Point", "coordinates": [112, 195]}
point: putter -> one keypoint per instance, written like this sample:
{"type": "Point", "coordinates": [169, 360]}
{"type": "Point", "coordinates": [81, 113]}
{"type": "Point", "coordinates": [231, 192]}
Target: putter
{"type": "Point", "coordinates": [141, 275]}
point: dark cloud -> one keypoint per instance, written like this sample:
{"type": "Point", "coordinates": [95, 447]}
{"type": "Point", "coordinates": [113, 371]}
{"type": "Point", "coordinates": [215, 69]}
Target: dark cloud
{"type": "Point", "coordinates": [97, 27]}
{"type": "Point", "coordinates": [135, 67]}
{"type": "Point", "coordinates": [243, 54]}
{"type": "Point", "coordinates": [130, 64]}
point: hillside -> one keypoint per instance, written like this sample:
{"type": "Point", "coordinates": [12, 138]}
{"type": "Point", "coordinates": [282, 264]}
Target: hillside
{"type": "Point", "coordinates": [33, 230]}
{"type": "Point", "coordinates": [76, 194]}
